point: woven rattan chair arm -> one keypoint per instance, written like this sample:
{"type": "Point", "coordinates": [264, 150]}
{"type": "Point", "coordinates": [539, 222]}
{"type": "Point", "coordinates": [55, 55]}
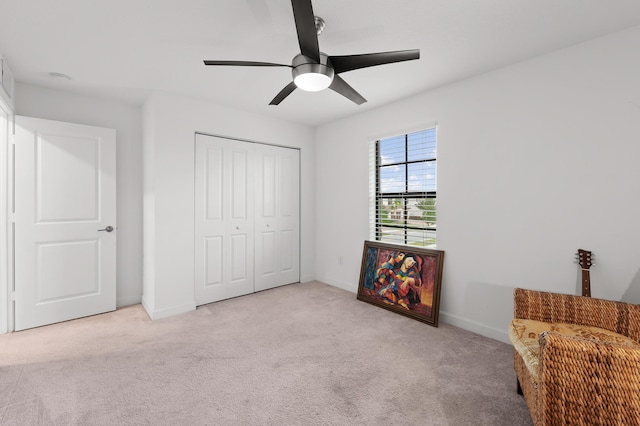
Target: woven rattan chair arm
{"type": "Point", "coordinates": [587, 382]}
{"type": "Point", "coordinates": [620, 317]}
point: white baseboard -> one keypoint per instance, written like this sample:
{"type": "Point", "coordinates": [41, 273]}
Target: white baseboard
{"type": "Point", "coordinates": [156, 314]}
{"type": "Point", "coordinates": [464, 323]}
{"type": "Point", "coordinates": [475, 327]}
{"type": "Point", "coordinates": [337, 283]}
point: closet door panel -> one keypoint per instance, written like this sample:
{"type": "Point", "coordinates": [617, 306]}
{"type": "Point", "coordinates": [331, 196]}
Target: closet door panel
{"type": "Point", "coordinates": [268, 194]}
{"type": "Point", "coordinates": [213, 184]}
{"type": "Point", "coordinates": [212, 236]}
{"type": "Point", "coordinates": [289, 215]}
{"type": "Point", "coordinates": [224, 231]}
{"type": "Point", "coordinates": [239, 255]}
{"type": "Point", "coordinates": [239, 185]}
{"type": "Point", "coordinates": [268, 250]}
{"type": "Point", "coordinates": [287, 248]}
{"type": "Point", "coordinates": [240, 224]}
{"type": "Point", "coordinates": [213, 258]}
{"type": "Point", "coordinates": [277, 217]}
{"type": "Point", "coordinates": [265, 219]}
{"type": "Point", "coordinates": [288, 182]}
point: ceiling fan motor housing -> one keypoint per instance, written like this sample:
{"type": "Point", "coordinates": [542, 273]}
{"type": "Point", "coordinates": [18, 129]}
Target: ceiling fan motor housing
{"type": "Point", "coordinates": [310, 75]}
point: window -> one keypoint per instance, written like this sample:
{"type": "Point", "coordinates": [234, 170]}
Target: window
{"type": "Point", "coordinates": [403, 189]}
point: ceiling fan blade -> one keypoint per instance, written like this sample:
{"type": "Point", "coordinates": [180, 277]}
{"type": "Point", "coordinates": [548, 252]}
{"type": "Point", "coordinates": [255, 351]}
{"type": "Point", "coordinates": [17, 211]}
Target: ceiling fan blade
{"type": "Point", "coordinates": [306, 27]}
{"type": "Point", "coordinates": [245, 64]}
{"type": "Point", "coordinates": [354, 62]}
{"type": "Point", "coordinates": [283, 93]}
{"type": "Point", "coordinates": [340, 86]}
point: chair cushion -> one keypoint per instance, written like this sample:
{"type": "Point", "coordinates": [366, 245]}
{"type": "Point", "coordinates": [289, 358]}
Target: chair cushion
{"type": "Point", "coordinates": [525, 333]}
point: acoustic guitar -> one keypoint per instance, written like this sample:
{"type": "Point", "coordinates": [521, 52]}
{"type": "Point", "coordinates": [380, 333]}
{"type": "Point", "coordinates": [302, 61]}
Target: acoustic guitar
{"type": "Point", "coordinates": [585, 259]}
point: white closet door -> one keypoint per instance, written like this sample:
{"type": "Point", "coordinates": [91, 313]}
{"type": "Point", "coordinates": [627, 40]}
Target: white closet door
{"type": "Point", "coordinates": [224, 229]}
{"type": "Point", "coordinates": [277, 248]}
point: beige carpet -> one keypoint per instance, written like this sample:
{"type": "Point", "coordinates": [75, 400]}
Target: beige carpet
{"type": "Point", "coordinates": [303, 354]}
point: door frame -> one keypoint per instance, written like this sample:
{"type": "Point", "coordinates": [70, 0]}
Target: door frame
{"type": "Point", "coordinates": [6, 221]}
{"type": "Point", "coordinates": [259, 143]}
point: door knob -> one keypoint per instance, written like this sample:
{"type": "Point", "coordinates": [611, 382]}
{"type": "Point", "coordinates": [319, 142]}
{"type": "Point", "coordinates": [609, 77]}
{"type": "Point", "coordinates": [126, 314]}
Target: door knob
{"type": "Point", "coordinates": [108, 229]}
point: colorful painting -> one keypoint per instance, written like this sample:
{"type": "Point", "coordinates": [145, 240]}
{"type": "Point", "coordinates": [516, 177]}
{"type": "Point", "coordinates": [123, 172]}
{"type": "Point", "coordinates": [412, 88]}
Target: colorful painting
{"type": "Point", "coordinates": [402, 279]}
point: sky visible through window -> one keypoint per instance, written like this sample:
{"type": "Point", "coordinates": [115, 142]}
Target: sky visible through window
{"type": "Point", "coordinates": [417, 175]}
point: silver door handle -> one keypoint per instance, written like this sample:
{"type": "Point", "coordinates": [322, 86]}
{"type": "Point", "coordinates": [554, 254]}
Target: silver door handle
{"type": "Point", "coordinates": [108, 229]}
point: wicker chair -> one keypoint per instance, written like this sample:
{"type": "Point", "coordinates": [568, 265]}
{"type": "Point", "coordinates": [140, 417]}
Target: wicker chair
{"type": "Point", "coordinates": [580, 379]}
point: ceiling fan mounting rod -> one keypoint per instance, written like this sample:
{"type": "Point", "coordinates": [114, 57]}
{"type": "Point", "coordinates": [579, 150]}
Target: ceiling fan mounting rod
{"type": "Point", "coordinates": [320, 24]}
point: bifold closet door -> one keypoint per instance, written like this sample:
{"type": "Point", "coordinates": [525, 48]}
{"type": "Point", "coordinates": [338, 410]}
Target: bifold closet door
{"type": "Point", "coordinates": [224, 219]}
{"type": "Point", "coordinates": [277, 217]}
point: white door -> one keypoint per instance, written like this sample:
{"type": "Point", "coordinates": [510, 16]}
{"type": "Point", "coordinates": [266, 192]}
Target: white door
{"type": "Point", "coordinates": [277, 216]}
{"type": "Point", "coordinates": [65, 220]}
{"type": "Point", "coordinates": [224, 230]}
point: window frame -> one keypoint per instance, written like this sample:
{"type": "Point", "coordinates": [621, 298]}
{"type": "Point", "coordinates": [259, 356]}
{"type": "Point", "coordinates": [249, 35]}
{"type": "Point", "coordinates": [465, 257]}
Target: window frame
{"type": "Point", "coordinates": [406, 195]}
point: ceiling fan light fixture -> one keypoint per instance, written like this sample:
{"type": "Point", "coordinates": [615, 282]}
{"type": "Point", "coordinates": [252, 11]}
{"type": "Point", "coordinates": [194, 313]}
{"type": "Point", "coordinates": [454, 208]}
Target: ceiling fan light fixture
{"type": "Point", "coordinates": [313, 81]}
{"type": "Point", "coordinates": [310, 76]}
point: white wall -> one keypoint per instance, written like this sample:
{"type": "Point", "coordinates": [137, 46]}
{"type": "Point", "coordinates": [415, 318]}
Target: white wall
{"type": "Point", "coordinates": [170, 123]}
{"type": "Point", "coordinates": [535, 161]}
{"type": "Point", "coordinates": [126, 119]}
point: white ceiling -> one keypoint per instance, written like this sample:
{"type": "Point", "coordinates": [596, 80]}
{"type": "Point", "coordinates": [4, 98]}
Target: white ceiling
{"type": "Point", "coordinates": [123, 49]}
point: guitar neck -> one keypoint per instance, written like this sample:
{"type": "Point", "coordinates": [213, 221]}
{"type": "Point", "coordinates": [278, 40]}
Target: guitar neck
{"type": "Point", "coordinates": [586, 283]}
{"type": "Point", "coordinates": [584, 258]}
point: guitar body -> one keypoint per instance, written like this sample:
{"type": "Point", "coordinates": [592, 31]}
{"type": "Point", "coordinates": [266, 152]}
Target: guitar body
{"type": "Point", "coordinates": [585, 261]}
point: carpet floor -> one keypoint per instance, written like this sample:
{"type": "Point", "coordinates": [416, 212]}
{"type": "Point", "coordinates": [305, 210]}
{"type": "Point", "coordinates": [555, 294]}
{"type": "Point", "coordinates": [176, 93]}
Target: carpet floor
{"type": "Point", "coordinates": [302, 354]}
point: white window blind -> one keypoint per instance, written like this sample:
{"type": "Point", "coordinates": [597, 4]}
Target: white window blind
{"type": "Point", "coordinates": [402, 189]}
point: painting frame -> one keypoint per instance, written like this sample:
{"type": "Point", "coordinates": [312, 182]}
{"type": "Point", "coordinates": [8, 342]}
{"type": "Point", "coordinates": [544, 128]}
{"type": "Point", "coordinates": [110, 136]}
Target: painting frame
{"type": "Point", "coordinates": [389, 280]}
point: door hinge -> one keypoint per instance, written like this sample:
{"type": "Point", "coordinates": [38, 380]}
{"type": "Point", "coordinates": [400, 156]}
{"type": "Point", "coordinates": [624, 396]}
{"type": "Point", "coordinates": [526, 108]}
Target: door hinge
{"type": "Point", "coordinates": [12, 296]}
{"type": "Point", "coordinates": [12, 217]}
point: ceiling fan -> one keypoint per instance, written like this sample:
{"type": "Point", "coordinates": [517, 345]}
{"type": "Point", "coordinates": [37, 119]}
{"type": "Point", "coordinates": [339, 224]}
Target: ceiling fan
{"type": "Point", "coordinates": [314, 70]}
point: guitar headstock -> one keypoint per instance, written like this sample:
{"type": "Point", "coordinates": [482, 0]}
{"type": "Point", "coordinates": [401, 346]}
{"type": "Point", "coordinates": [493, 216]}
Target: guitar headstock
{"type": "Point", "coordinates": [584, 258]}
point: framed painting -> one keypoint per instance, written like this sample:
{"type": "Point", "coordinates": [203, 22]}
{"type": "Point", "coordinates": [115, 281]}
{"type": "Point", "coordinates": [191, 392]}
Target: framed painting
{"type": "Point", "coordinates": [402, 279]}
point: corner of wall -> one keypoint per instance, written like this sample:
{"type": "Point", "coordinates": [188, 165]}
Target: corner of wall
{"type": "Point", "coordinates": [127, 301]}
{"type": "Point", "coordinates": [156, 314]}
{"type": "Point", "coordinates": [148, 204]}
{"type": "Point", "coordinates": [307, 278]}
